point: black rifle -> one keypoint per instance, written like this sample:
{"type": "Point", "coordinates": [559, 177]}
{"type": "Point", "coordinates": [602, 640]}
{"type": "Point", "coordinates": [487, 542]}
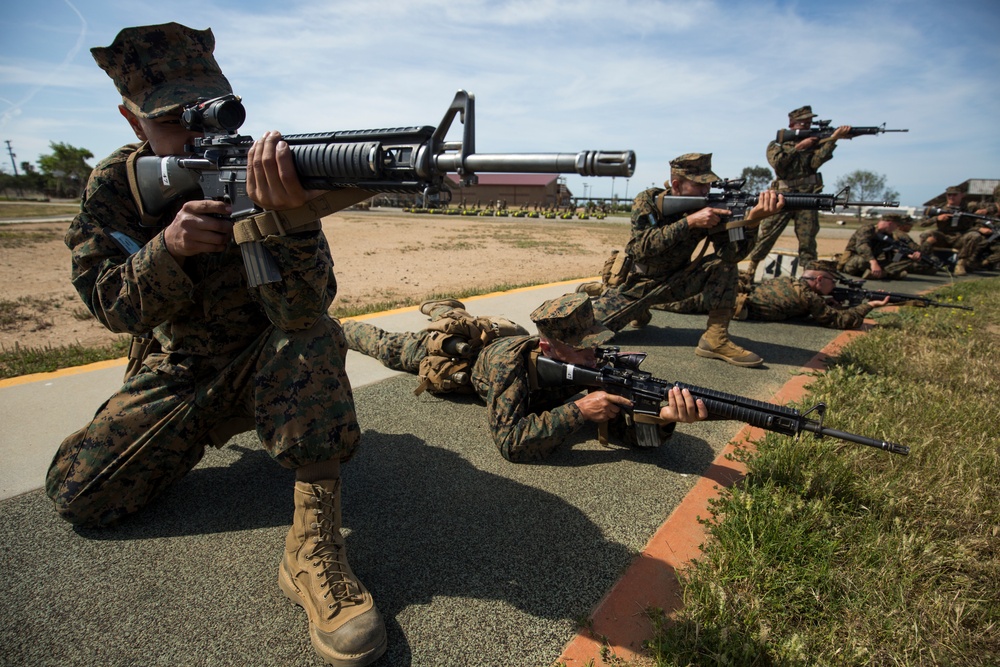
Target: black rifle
{"type": "Point", "coordinates": [854, 293]}
{"type": "Point", "coordinates": [619, 374]}
{"type": "Point", "coordinates": [822, 129]}
{"type": "Point", "coordinates": [957, 215]}
{"type": "Point", "coordinates": [902, 251]}
{"type": "Point", "coordinates": [362, 163]}
{"type": "Point", "coordinates": [739, 203]}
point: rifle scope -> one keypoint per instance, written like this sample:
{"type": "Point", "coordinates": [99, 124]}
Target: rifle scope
{"type": "Point", "coordinates": [222, 114]}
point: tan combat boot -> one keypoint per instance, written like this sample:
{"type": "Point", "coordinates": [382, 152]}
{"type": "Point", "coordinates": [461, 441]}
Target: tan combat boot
{"type": "Point", "coordinates": [642, 319]}
{"type": "Point", "coordinates": [751, 271]}
{"type": "Point", "coordinates": [961, 268]}
{"type": "Point", "coordinates": [345, 626]}
{"type": "Point", "coordinates": [593, 289]}
{"type": "Point", "coordinates": [715, 343]}
{"type": "Point", "coordinates": [427, 306]}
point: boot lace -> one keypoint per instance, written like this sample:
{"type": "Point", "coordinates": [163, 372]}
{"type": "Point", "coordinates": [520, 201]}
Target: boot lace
{"type": "Point", "coordinates": [330, 557]}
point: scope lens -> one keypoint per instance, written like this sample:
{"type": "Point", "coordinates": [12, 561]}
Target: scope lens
{"type": "Point", "coordinates": [226, 114]}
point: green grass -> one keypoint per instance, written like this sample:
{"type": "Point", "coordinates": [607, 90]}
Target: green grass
{"type": "Point", "coordinates": [17, 239]}
{"type": "Point", "coordinates": [18, 210]}
{"type": "Point", "coordinates": [24, 360]}
{"type": "Point", "coordinates": [831, 553]}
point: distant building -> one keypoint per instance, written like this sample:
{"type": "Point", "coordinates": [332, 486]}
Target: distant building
{"type": "Point", "coordinates": [975, 189]}
{"type": "Point", "coordinates": [517, 190]}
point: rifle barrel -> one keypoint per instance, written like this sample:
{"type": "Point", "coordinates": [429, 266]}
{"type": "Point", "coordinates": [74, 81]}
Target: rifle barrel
{"type": "Point", "coordinates": [584, 163]}
{"type": "Point", "coordinates": [885, 446]}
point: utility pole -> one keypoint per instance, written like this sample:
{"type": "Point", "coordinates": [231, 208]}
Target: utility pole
{"type": "Point", "coordinates": [12, 156]}
{"type": "Point", "coordinates": [17, 181]}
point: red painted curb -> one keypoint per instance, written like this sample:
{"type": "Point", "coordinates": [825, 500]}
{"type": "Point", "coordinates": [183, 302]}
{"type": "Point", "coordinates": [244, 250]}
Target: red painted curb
{"type": "Point", "coordinates": [619, 622]}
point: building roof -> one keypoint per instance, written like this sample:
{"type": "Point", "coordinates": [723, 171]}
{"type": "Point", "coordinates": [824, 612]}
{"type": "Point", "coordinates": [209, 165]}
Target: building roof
{"type": "Point", "coordinates": [974, 187]}
{"type": "Point", "coordinates": [509, 179]}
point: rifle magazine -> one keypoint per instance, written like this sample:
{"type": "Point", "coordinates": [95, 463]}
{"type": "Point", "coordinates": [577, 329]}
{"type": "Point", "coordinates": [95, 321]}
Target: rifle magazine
{"type": "Point", "coordinates": [260, 265]}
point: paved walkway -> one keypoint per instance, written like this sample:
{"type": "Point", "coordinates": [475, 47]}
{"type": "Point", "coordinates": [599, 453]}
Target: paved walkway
{"type": "Point", "coordinates": [473, 560]}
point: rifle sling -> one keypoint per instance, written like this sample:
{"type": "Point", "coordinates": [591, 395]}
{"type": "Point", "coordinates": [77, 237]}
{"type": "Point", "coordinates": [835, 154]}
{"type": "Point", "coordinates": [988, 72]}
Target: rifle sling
{"type": "Point", "coordinates": [306, 218]}
{"type": "Point", "coordinates": [133, 184]}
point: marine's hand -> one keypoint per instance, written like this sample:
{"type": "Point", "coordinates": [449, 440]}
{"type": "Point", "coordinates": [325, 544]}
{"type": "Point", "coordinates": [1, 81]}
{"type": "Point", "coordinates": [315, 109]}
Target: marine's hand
{"type": "Point", "coordinates": [707, 217]}
{"type": "Point", "coordinates": [879, 303]}
{"type": "Point", "coordinates": [841, 132]}
{"type": "Point", "coordinates": [806, 144]}
{"type": "Point", "coordinates": [875, 268]}
{"type": "Point", "coordinates": [683, 407]}
{"type": "Point", "coordinates": [272, 183]}
{"type": "Point", "coordinates": [768, 203]}
{"type": "Point", "coordinates": [199, 227]}
{"type": "Point", "coordinates": [600, 406]}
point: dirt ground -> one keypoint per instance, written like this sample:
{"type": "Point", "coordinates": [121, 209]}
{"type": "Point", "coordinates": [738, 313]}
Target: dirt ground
{"type": "Point", "coordinates": [380, 256]}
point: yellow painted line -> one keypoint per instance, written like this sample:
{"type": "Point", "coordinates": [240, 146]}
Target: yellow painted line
{"type": "Point", "coordinates": [100, 365]}
{"type": "Point", "coordinates": [63, 372]}
{"type": "Point", "coordinates": [407, 309]}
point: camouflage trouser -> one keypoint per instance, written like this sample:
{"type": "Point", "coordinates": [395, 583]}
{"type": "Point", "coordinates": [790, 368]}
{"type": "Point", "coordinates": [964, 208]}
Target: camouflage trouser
{"type": "Point", "coordinates": [806, 229]}
{"type": "Point", "coordinates": [714, 280]}
{"type": "Point", "coordinates": [400, 351]}
{"type": "Point", "coordinates": [968, 244]}
{"type": "Point", "coordinates": [154, 430]}
{"type": "Point", "coordinates": [922, 269]}
{"type": "Point", "coordinates": [856, 265]}
{"type": "Point", "coordinates": [991, 259]}
{"type": "Point", "coordinates": [692, 305]}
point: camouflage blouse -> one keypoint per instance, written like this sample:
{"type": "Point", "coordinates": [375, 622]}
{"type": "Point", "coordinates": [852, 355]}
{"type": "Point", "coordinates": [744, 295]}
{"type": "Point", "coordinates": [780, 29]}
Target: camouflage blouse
{"type": "Point", "coordinates": [130, 282]}
{"type": "Point", "coordinates": [864, 242]}
{"type": "Point", "coordinates": [790, 164]}
{"type": "Point", "coordinates": [662, 246]}
{"type": "Point", "coordinates": [526, 425]}
{"type": "Point", "coordinates": [785, 297]}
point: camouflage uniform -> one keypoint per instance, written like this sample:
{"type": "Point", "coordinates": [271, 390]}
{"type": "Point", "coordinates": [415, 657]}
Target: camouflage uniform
{"type": "Point", "coordinates": [958, 232]}
{"type": "Point", "coordinates": [230, 358]}
{"type": "Point", "coordinates": [783, 298]}
{"type": "Point", "coordinates": [662, 270]}
{"type": "Point", "coordinates": [795, 171]}
{"type": "Point", "coordinates": [919, 267]}
{"type": "Point", "coordinates": [527, 423]}
{"type": "Point", "coordinates": [864, 246]}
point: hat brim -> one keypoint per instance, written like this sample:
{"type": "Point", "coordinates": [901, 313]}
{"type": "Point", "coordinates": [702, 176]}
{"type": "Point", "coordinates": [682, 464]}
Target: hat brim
{"type": "Point", "coordinates": [704, 178]}
{"type": "Point", "coordinates": [173, 96]}
{"type": "Point", "coordinates": [594, 336]}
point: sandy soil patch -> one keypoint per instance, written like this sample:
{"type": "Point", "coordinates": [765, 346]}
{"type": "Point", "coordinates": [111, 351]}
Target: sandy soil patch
{"type": "Point", "coordinates": [380, 256]}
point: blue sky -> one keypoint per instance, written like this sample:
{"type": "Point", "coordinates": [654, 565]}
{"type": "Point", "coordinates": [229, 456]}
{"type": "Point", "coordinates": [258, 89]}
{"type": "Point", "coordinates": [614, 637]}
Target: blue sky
{"type": "Point", "coordinates": [658, 77]}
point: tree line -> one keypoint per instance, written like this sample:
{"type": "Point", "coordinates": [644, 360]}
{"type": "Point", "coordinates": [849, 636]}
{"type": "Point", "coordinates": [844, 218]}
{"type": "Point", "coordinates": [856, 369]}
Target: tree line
{"type": "Point", "coordinates": [61, 174]}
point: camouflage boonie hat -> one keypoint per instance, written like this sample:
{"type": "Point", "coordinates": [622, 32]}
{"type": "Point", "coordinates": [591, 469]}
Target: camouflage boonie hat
{"type": "Point", "coordinates": [159, 68]}
{"type": "Point", "coordinates": [802, 113]}
{"type": "Point", "coordinates": [570, 320]}
{"type": "Point", "coordinates": [825, 265]}
{"type": "Point", "coordinates": [695, 167]}
{"type": "Point", "coordinates": [953, 190]}
{"type": "Point", "coordinates": [898, 218]}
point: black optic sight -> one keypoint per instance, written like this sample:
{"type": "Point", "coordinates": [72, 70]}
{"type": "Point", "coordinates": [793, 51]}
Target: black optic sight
{"type": "Point", "coordinates": [222, 114]}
